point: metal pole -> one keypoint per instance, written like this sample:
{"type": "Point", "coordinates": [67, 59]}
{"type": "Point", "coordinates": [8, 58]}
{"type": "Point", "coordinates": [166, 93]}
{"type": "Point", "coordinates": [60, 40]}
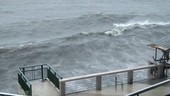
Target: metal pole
{"type": "Point", "coordinates": [62, 88]}
{"type": "Point", "coordinates": [130, 77]}
{"type": "Point", "coordinates": [156, 54]}
{"type": "Point", "coordinates": [122, 86]}
{"type": "Point", "coordinates": [33, 73]}
{"type": "Point", "coordinates": [116, 83]}
{"type": "Point", "coordinates": [30, 91]}
{"type": "Point", "coordinates": [98, 82]}
{"type": "Point", "coordinates": [148, 88]}
{"type": "Point", "coordinates": [160, 71]}
{"type": "Point", "coordinates": [23, 71]}
{"type": "Point", "coordinates": [42, 73]}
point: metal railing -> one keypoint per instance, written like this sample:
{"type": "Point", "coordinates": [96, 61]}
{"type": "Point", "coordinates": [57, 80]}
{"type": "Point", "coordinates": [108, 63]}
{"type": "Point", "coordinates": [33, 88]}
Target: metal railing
{"type": "Point", "coordinates": [98, 77]}
{"type": "Point", "coordinates": [29, 73]}
{"type": "Point", "coordinates": [53, 77]}
{"type": "Point", "coordinates": [24, 83]}
{"type": "Point", "coordinates": [9, 94]}
{"type": "Point", "coordinates": [136, 93]}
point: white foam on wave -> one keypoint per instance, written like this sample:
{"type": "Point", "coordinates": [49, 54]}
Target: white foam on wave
{"type": "Point", "coordinates": [113, 32]}
{"type": "Point", "coordinates": [142, 23]}
{"type": "Point", "coordinates": [26, 44]}
{"type": "Point", "coordinates": [118, 29]}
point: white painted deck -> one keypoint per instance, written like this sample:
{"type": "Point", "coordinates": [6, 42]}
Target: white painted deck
{"type": "Point", "coordinates": [111, 91]}
{"type": "Point", "coordinates": [47, 89]}
{"type": "Point", "coordinates": [44, 88]}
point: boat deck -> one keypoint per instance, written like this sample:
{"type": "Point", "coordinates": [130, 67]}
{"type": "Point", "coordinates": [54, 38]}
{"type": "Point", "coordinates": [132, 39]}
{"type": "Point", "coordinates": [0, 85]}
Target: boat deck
{"type": "Point", "coordinates": [112, 91]}
{"type": "Point", "coordinates": [46, 88]}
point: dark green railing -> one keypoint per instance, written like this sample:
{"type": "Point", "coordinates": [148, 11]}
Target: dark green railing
{"type": "Point", "coordinates": [24, 83]}
{"type": "Point", "coordinates": [53, 77]}
{"type": "Point", "coordinates": [36, 72]}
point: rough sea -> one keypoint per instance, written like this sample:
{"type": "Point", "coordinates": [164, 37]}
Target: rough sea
{"type": "Point", "coordinates": [78, 37]}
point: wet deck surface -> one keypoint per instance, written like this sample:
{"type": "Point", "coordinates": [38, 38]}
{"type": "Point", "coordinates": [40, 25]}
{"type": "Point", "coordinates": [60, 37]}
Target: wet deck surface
{"type": "Point", "coordinates": [111, 91]}
{"type": "Point", "coordinates": [44, 88]}
{"type": "Point", "coordinates": [47, 89]}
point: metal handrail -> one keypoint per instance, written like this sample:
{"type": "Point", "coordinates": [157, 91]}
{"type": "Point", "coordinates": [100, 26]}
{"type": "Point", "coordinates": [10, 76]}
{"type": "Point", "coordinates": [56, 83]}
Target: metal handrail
{"type": "Point", "coordinates": [136, 93]}
{"type": "Point", "coordinates": [106, 73]}
{"type": "Point", "coordinates": [54, 71]}
{"type": "Point", "coordinates": [47, 66]}
{"type": "Point", "coordinates": [26, 82]}
{"type": "Point", "coordinates": [98, 77]}
{"type": "Point", "coordinates": [24, 77]}
{"type": "Point", "coordinates": [34, 68]}
{"type": "Point", "coordinates": [9, 94]}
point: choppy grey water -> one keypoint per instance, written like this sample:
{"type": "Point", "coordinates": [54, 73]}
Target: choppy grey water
{"type": "Point", "coordinates": [78, 37]}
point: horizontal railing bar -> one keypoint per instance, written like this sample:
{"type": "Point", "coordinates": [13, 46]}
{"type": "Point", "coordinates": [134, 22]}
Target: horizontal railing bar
{"type": "Point", "coordinates": [46, 65]}
{"type": "Point", "coordinates": [106, 73]}
{"type": "Point", "coordinates": [34, 79]}
{"type": "Point", "coordinates": [9, 94]}
{"type": "Point", "coordinates": [34, 69]}
{"type": "Point", "coordinates": [33, 66]}
{"type": "Point", "coordinates": [149, 88]}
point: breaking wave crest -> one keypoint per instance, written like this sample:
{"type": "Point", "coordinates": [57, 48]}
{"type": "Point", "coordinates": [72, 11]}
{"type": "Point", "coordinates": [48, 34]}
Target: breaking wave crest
{"type": "Point", "coordinates": [118, 29]}
{"type": "Point", "coordinates": [141, 23]}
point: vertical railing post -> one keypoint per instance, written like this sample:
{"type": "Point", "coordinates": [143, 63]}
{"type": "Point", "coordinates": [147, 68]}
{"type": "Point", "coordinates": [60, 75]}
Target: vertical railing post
{"type": "Point", "coordinates": [161, 71]}
{"type": "Point", "coordinates": [98, 82]}
{"type": "Point", "coordinates": [30, 91]}
{"type": "Point", "coordinates": [33, 72]}
{"type": "Point", "coordinates": [116, 83]}
{"type": "Point", "coordinates": [122, 86]}
{"type": "Point", "coordinates": [23, 71]}
{"type": "Point", "coordinates": [130, 77]}
{"type": "Point", "coordinates": [42, 73]}
{"type": "Point", "coordinates": [62, 88]}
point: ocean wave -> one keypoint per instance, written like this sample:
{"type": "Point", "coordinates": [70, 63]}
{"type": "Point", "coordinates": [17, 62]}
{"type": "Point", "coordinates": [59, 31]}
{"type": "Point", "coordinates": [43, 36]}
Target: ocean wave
{"type": "Point", "coordinates": [119, 28]}
{"type": "Point", "coordinates": [103, 24]}
{"type": "Point", "coordinates": [105, 18]}
{"type": "Point", "coordinates": [86, 26]}
{"type": "Point", "coordinates": [3, 50]}
{"type": "Point", "coordinates": [141, 23]}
